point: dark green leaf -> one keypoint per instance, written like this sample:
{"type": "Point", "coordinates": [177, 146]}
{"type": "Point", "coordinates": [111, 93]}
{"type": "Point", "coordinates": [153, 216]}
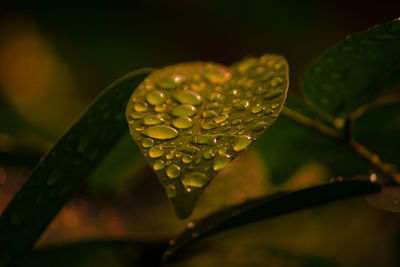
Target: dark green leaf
{"type": "Point", "coordinates": [263, 208]}
{"type": "Point", "coordinates": [354, 70]}
{"type": "Point", "coordinates": [60, 173]}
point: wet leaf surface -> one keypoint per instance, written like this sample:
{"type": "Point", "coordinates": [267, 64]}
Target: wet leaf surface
{"type": "Point", "coordinates": [191, 119]}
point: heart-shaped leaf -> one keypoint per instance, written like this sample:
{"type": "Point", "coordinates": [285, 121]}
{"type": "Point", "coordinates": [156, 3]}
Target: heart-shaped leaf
{"type": "Point", "coordinates": [191, 119]}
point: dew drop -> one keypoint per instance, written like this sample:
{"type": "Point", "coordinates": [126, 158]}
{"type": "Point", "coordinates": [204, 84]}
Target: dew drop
{"type": "Point", "coordinates": [152, 120]}
{"type": "Point", "coordinates": [189, 149]}
{"type": "Point", "coordinates": [183, 122]}
{"type": "Point", "coordinates": [190, 225]}
{"type": "Point", "coordinates": [184, 111]}
{"type": "Point", "coordinates": [256, 109]}
{"type": "Point", "coordinates": [216, 76]}
{"type": "Point", "coordinates": [167, 83]}
{"type": "Point", "coordinates": [170, 155]}
{"type": "Point", "coordinates": [208, 154]}
{"type": "Point", "coordinates": [236, 121]}
{"type": "Point", "coordinates": [242, 105]}
{"type": "Point", "coordinates": [156, 152]}
{"type": "Point", "coordinates": [209, 114]}
{"type": "Point", "coordinates": [276, 81]}
{"type": "Point", "coordinates": [221, 161]}
{"type": "Point", "coordinates": [155, 98]}
{"type": "Point", "coordinates": [242, 143]}
{"type": "Point", "coordinates": [187, 97]}
{"type": "Point", "coordinates": [259, 127]}
{"type": "Point", "coordinates": [173, 171]}
{"type": "Point", "coordinates": [208, 125]}
{"type": "Point", "coordinates": [147, 142]}
{"type": "Point", "coordinates": [195, 179]}
{"type": "Point", "coordinates": [160, 108]}
{"type": "Point", "coordinates": [187, 159]}
{"type": "Point", "coordinates": [204, 140]}
{"type": "Point", "coordinates": [171, 191]}
{"type": "Point", "coordinates": [275, 105]}
{"type": "Point", "coordinates": [141, 107]}
{"type": "Point", "coordinates": [161, 132]}
{"type": "Point", "coordinates": [136, 116]}
{"type": "Point", "coordinates": [221, 118]}
{"type": "Point", "coordinates": [158, 165]}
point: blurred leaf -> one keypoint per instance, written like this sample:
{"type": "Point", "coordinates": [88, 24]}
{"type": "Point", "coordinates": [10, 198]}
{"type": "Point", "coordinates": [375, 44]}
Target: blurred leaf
{"type": "Point", "coordinates": [118, 171]}
{"type": "Point", "coordinates": [288, 145]}
{"type": "Point", "coordinates": [266, 207]}
{"type": "Point", "coordinates": [379, 129]}
{"type": "Point", "coordinates": [60, 173]}
{"type": "Point", "coordinates": [354, 70]}
{"type": "Point", "coordinates": [191, 119]}
{"type": "Point", "coordinates": [387, 199]}
{"type": "Point", "coordinates": [98, 253]}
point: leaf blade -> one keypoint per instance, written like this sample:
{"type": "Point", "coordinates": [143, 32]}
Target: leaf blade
{"type": "Point", "coordinates": [75, 155]}
{"type": "Point", "coordinates": [266, 207]}
{"type": "Point", "coordinates": [354, 69]}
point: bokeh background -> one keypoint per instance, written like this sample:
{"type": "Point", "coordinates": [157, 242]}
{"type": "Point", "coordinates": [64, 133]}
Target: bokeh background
{"type": "Point", "coordinates": [55, 59]}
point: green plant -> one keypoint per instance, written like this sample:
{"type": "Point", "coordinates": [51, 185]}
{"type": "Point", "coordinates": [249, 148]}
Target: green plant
{"type": "Point", "coordinates": [350, 106]}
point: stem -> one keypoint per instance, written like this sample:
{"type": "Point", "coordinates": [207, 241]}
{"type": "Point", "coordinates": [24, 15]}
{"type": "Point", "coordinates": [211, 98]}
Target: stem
{"type": "Point", "coordinates": [387, 169]}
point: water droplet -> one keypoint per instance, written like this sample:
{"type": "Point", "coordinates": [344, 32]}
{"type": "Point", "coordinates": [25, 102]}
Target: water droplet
{"type": "Point", "coordinates": [136, 115]}
{"type": "Point", "coordinates": [183, 122]}
{"type": "Point", "coordinates": [184, 111]}
{"type": "Point", "coordinates": [242, 105]}
{"type": "Point", "coordinates": [141, 107]}
{"type": "Point", "coordinates": [208, 154]}
{"type": "Point", "coordinates": [160, 108]}
{"type": "Point", "coordinates": [221, 161]}
{"type": "Point", "coordinates": [236, 121]}
{"type": "Point", "coordinates": [195, 179]}
{"type": "Point", "coordinates": [259, 127]}
{"type": "Point", "coordinates": [161, 132]}
{"type": "Point", "coordinates": [171, 191]}
{"type": "Point", "coordinates": [156, 152]}
{"type": "Point", "coordinates": [209, 114]}
{"type": "Point", "coordinates": [152, 120]}
{"type": "Point", "coordinates": [275, 105]}
{"type": "Point", "coordinates": [216, 76]}
{"type": "Point", "coordinates": [208, 125]}
{"type": "Point", "coordinates": [242, 143]}
{"type": "Point", "coordinates": [373, 177]}
{"type": "Point", "coordinates": [155, 98]}
{"type": "Point", "coordinates": [205, 139]}
{"type": "Point", "coordinates": [173, 171]}
{"type": "Point", "coordinates": [187, 97]}
{"type": "Point", "coordinates": [276, 81]}
{"type": "Point", "coordinates": [170, 155]}
{"type": "Point", "coordinates": [256, 109]}
{"type": "Point", "coordinates": [248, 120]}
{"type": "Point", "coordinates": [247, 64]}
{"type": "Point", "coordinates": [222, 150]}
{"type": "Point", "coordinates": [221, 118]}
{"type": "Point", "coordinates": [171, 242]}
{"type": "Point", "coordinates": [187, 159]}
{"type": "Point", "coordinates": [167, 83]}
{"type": "Point", "coordinates": [147, 142]}
{"type": "Point", "coordinates": [272, 94]}
{"type": "Point", "coordinates": [189, 149]}
{"type": "Point", "coordinates": [158, 165]}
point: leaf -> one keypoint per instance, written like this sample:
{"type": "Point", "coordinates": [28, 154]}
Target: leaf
{"type": "Point", "coordinates": [289, 145]}
{"type": "Point", "coordinates": [98, 253]}
{"type": "Point", "coordinates": [191, 119]}
{"type": "Point", "coordinates": [353, 70]}
{"type": "Point", "coordinates": [266, 207]}
{"type": "Point", "coordinates": [60, 173]}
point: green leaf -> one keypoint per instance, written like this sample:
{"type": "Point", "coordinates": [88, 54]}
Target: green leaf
{"type": "Point", "coordinates": [266, 207]}
{"type": "Point", "coordinates": [60, 173]}
{"type": "Point", "coordinates": [354, 70]}
{"type": "Point", "coordinates": [191, 119]}
{"type": "Point", "coordinates": [107, 253]}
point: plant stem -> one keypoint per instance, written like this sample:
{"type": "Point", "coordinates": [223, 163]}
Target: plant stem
{"type": "Point", "coordinates": [387, 169]}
